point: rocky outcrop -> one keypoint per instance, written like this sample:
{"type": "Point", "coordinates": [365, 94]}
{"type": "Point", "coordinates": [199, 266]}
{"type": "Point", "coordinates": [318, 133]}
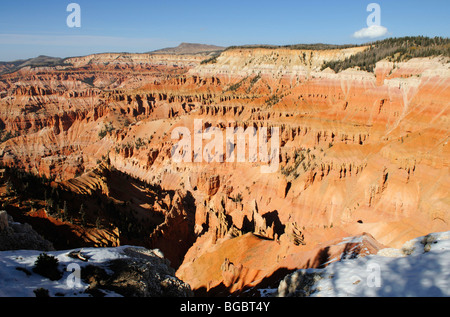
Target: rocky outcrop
{"type": "Point", "coordinates": [175, 235]}
{"type": "Point", "coordinates": [17, 236]}
{"type": "Point", "coordinates": [142, 273]}
{"type": "Point", "coordinates": [230, 268]}
{"type": "Point", "coordinates": [3, 220]}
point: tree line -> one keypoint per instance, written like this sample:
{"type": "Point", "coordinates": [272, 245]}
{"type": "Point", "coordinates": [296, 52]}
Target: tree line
{"type": "Point", "coordinates": [393, 49]}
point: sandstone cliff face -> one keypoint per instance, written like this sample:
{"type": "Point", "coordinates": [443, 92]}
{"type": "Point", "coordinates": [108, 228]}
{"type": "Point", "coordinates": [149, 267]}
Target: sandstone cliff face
{"type": "Point", "coordinates": [274, 62]}
{"type": "Point", "coordinates": [359, 152]}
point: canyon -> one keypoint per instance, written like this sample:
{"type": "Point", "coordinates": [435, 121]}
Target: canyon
{"type": "Point", "coordinates": [361, 155]}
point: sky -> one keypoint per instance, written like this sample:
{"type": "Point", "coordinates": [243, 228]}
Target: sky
{"type": "Point", "coordinates": [32, 28]}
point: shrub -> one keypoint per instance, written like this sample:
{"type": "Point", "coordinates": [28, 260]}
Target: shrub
{"type": "Point", "coordinates": [211, 60]}
{"type": "Point", "coordinates": [273, 100]}
{"type": "Point", "coordinates": [108, 128]}
{"type": "Point", "coordinates": [237, 85]}
{"type": "Point", "coordinates": [41, 292]}
{"type": "Point", "coordinates": [47, 266]}
{"type": "Point", "coordinates": [237, 199]}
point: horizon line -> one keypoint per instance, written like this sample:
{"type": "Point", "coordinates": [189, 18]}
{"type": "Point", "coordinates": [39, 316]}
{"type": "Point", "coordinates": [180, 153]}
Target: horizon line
{"type": "Point", "coordinates": [270, 46]}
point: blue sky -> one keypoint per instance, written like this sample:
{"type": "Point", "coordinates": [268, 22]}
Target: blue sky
{"type": "Point", "coordinates": [32, 28]}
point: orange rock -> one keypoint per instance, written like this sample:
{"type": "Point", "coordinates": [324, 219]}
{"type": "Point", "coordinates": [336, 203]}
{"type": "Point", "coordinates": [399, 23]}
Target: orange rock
{"type": "Point", "coordinates": [359, 152]}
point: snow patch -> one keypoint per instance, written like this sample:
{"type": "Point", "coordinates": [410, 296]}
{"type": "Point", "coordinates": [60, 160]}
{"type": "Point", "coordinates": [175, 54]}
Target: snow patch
{"type": "Point", "coordinates": [17, 278]}
{"type": "Point", "coordinates": [420, 268]}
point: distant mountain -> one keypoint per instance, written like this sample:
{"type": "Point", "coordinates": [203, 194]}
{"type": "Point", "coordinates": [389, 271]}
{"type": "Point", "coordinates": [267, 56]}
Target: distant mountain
{"type": "Point", "coordinates": [48, 61]}
{"type": "Point", "coordinates": [190, 48]}
{"type": "Point", "coordinates": [40, 61]}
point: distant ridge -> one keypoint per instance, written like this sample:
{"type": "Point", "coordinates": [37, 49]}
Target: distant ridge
{"type": "Point", "coordinates": [40, 61]}
{"type": "Point", "coordinates": [395, 49]}
{"type": "Point", "coordinates": [190, 48]}
{"type": "Point", "coordinates": [316, 46]}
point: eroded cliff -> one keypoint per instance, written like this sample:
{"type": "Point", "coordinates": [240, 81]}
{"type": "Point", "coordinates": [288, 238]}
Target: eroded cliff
{"type": "Point", "coordinates": [359, 152]}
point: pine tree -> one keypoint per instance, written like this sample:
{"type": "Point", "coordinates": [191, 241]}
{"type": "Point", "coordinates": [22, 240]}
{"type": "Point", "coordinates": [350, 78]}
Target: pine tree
{"type": "Point", "coordinates": [82, 215]}
{"type": "Point", "coordinates": [9, 187]}
{"type": "Point", "coordinates": [65, 211]}
{"type": "Point", "coordinates": [98, 223]}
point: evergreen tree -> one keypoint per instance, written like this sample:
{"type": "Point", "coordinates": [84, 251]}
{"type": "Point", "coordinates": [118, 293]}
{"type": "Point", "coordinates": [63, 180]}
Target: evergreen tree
{"type": "Point", "coordinates": [98, 223]}
{"type": "Point", "coordinates": [82, 215]}
{"type": "Point", "coordinates": [65, 211]}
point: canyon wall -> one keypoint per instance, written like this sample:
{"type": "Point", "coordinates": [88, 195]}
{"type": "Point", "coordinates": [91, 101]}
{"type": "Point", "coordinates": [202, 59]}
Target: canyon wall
{"type": "Point", "coordinates": [360, 153]}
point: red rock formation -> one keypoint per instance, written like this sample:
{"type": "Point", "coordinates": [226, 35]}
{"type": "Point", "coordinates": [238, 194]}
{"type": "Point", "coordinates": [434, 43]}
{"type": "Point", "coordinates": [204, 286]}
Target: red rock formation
{"type": "Point", "coordinates": [360, 152]}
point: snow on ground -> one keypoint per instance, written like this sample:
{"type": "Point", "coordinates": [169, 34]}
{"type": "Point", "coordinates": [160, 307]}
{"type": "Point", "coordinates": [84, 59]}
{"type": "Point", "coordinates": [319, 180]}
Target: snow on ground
{"type": "Point", "coordinates": [17, 278]}
{"type": "Point", "coordinates": [420, 268]}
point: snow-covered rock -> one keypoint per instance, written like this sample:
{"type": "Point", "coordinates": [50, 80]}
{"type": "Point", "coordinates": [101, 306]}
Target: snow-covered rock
{"type": "Point", "coordinates": [121, 271]}
{"type": "Point", "coordinates": [420, 268]}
